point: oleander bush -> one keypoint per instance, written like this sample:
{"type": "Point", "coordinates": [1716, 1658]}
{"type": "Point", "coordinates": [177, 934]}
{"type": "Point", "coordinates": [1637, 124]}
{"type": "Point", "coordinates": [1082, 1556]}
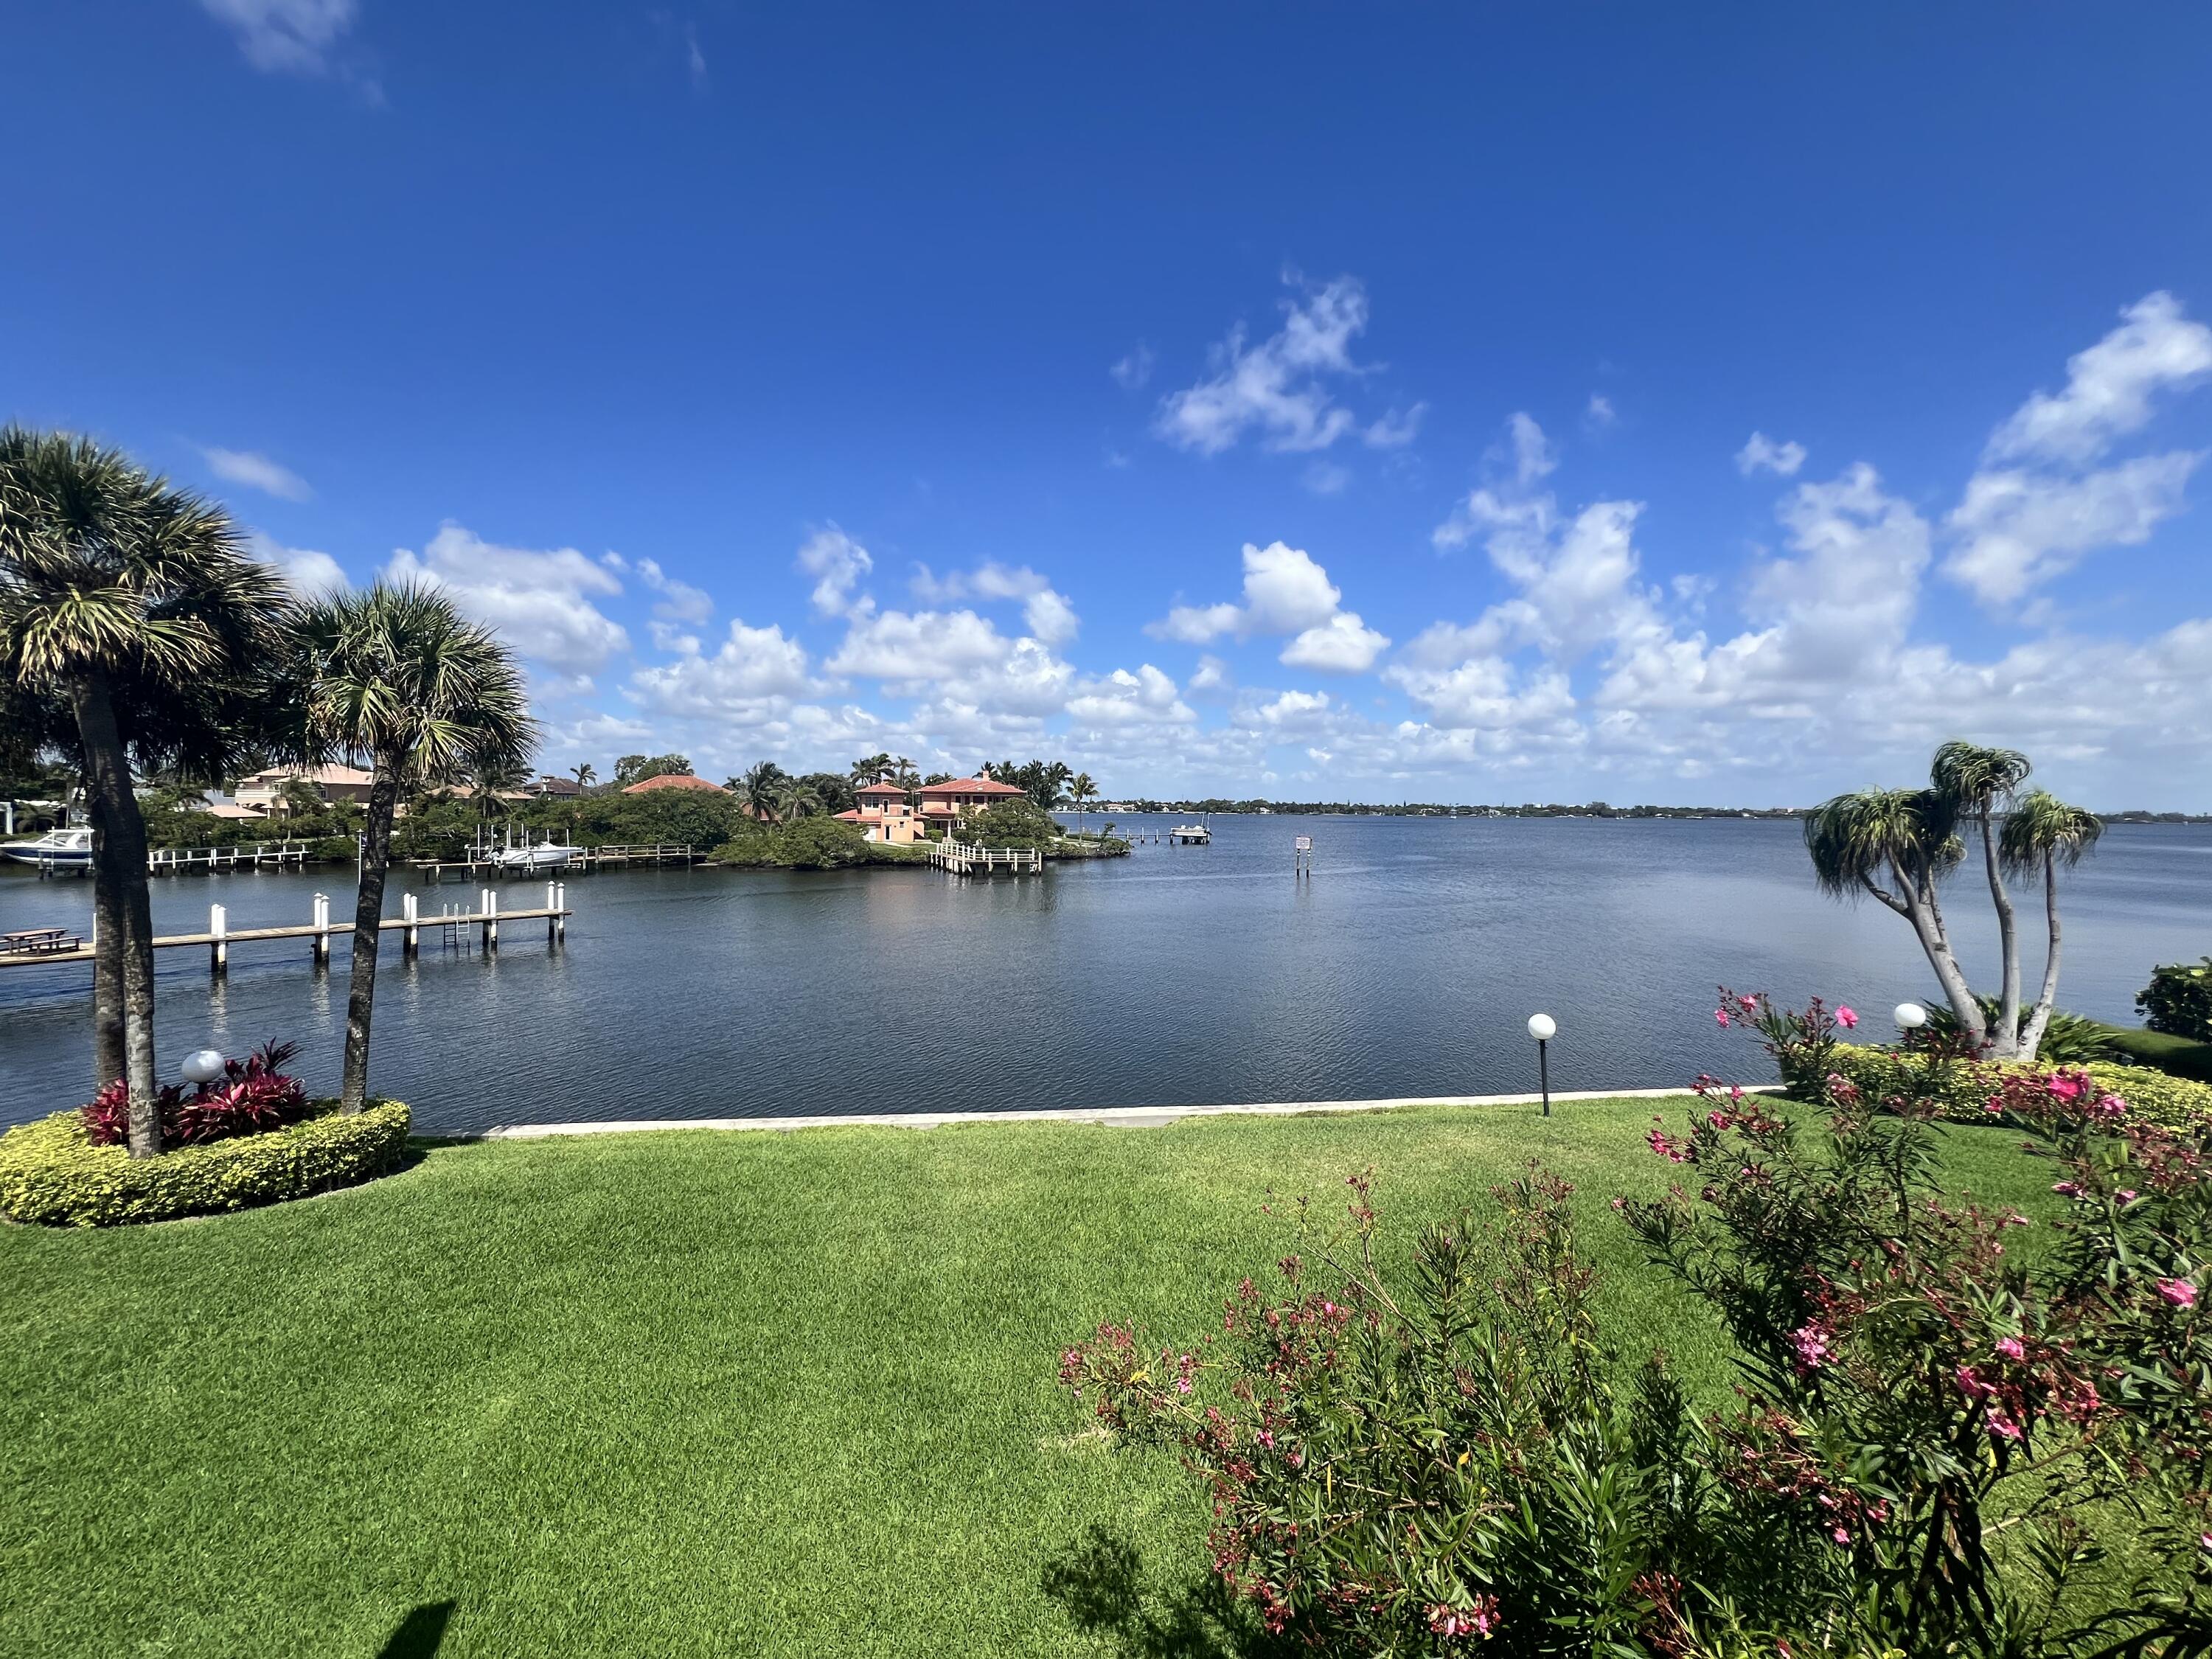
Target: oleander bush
{"type": "Point", "coordinates": [1960, 1089]}
{"type": "Point", "coordinates": [2179, 999]}
{"type": "Point", "coordinates": [1936, 1446]}
{"type": "Point", "coordinates": [54, 1173]}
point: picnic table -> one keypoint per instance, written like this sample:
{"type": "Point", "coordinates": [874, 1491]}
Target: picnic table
{"type": "Point", "coordinates": [39, 941]}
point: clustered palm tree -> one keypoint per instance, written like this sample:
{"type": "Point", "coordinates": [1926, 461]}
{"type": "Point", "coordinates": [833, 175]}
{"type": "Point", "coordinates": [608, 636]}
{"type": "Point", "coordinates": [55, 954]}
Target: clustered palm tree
{"type": "Point", "coordinates": [1082, 789]}
{"type": "Point", "coordinates": [131, 619]}
{"type": "Point", "coordinates": [1898, 845]}
{"type": "Point", "coordinates": [394, 675]}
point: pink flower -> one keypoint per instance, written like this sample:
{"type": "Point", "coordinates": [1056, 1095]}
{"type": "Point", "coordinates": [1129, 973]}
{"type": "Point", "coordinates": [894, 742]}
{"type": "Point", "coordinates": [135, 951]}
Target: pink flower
{"type": "Point", "coordinates": [2066, 1189]}
{"type": "Point", "coordinates": [1721, 1014]}
{"type": "Point", "coordinates": [1814, 1344]}
{"type": "Point", "coordinates": [2063, 1087]}
{"type": "Point", "coordinates": [2000, 1423]}
{"type": "Point", "coordinates": [2010, 1347]}
{"type": "Point", "coordinates": [1668, 1149]}
{"type": "Point", "coordinates": [1842, 1535]}
{"type": "Point", "coordinates": [2179, 1292]}
{"type": "Point", "coordinates": [1846, 1018]}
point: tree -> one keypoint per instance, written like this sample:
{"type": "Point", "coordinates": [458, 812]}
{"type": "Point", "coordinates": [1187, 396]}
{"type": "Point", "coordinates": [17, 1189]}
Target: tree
{"type": "Point", "coordinates": [396, 676]}
{"type": "Point", "coordinates": [637, 768]}
{"type": "Point", "coordinates": [833, 791]}
{"type": "Point", "coordinates": [1897, 845]}
{"type": "Point", "coordinates": [130, 603]}
{"type": "Point", "coordinates": [762, 790]}
{"type": "Point", "coordinates": [584, 774]}
{"type": "Point", "coordinates": [2042, 832]}
{"type": "Point", "coordinates": [868, 768]}
{"type": "Point", "coordinates": [1975, 780]}
{"type": "Point", "coordinates": [1081, 790]}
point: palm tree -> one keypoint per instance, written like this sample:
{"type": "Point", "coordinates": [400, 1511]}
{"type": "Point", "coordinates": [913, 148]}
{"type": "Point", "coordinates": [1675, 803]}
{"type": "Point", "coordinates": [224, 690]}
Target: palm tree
{"type": "Point", "coordinates": [762, 789]}
{"type": "Point", "coordinates": [2042, 832]}
{"type": "Point", "coordinates": [798, 798]}
{"type": "Point", "coordinates": [394, 675]}
{"type": "Point", "coordinates": [1975, 780]}
{"type": "Point", "coordinates": [1897, 844]}
{"type": "Point", "coordinates": [586, 775]}
{"type": "Point", "coordinates": [126, 599]}
{"type": "Point", "coordinates": [1081, 789]}
{"type": "Point", "coordinates": [868, 768]}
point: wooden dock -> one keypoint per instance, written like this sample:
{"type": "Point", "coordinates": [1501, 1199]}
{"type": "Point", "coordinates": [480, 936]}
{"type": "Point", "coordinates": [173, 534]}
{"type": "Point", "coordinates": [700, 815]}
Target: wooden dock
{"type": "Point", "coordinates": [259, 855]}
{"type": "Point", "coordinates": [483, 865]}
{"type": "Point", "coordinates": [456, 927]}
{"type": "Point", "coordinates": [963, 859]}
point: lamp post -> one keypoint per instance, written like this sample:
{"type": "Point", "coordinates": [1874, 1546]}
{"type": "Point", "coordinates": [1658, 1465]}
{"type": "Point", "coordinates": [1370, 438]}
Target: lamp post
{"type": "Point", "coordinates": [204, 1066]}
{"type": "Point", "coordinates": [1544, 1028]}
{"type": "Point", "coordinates": [1909, 1017]}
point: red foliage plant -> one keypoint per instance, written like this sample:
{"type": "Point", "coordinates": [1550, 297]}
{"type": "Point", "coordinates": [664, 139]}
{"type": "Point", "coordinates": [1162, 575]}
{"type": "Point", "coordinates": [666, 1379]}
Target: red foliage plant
{"type": "Point", "coordinates": [253, 1096]}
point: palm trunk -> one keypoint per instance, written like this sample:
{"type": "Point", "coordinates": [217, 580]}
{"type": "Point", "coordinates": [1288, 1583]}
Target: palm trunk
{"type": "Point", "coordinates": [2031, 1038]}
{"type": "Point", "coordinates": [367, 914]}
{"type": "Point", "coordinates": [2006, 1041]}
{"type": "Point", "coordinates": [107, 1061]}
{"type": "Point", "coordinates": [1919, 908]}
{"type": "Point", "coordinates": [120, 852]}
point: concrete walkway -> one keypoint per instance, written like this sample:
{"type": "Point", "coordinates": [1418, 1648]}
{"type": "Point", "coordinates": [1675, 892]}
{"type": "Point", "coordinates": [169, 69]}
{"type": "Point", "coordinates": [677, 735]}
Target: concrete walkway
{"type": "Point", "coordinates": [1120, 1117]}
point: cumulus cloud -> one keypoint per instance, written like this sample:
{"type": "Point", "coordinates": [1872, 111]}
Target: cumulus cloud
{"type": "Point", "coordinates": [1342, 645]}
{"type": "Point", "coordinates": [1278, 389]}
{"type": "Point", "coordinates": [1146, 697]}
{"type": "Point", "coordinates": [839, 565]}
{"type": "Point", "coordinates": [1132, 372]}
{"type": "Point", "coordinates": [749, 678]}
{"type": "Point", "coordinates": [679, 602]}
{"type": "Point", "coordinates": [2111, 388]}
{"type": "Point", "coordinates": [312, 575]}
{"type": "Point", "coordinates": [257, 472]}
{"type": "Point", "coordinates": [2017, 529]}
{"type": "Point", "coordinates": [285, 36]}
{"type": "Point", "coordinates": [1762, 454]}
{"type": "Point", "coordinates": [1286, 592]}
{"type": "Point", "coordinates": [1049, 614]}
{"type": "Point", "coordinates": [541, 601]}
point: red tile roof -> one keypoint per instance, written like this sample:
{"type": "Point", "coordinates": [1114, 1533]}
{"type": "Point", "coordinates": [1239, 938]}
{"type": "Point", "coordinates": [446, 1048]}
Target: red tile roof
{"type": "Point", "coordinates": [880, 789]}
{"type": "Point", "coordinates": [675, 780]}
{"type": "Point", "coordinates": [970, 787]}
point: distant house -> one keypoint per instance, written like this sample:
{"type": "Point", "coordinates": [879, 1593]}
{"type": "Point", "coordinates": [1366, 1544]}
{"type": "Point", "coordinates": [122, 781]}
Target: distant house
{"type": "Point", "coordinates": [263, 792]}
{"type": "Point", "coordinates": [885, 814]}
{"type": "Point", "coordinates": [675, 780]}
{"type": "Point", "coordinates": [553, 787]}
{"type": "Point", "coordinates": [943, 804]}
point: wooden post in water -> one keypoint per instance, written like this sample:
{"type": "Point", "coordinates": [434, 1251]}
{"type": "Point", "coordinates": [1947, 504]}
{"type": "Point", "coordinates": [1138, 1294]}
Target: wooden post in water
{"type": "Point", "coordinates": [322, 926]}
{"type": "Point", "coordinates": [411, 941]}
{"type": "Point", "coordinates": [490, 921]}
{"type": "Point", "coordinates": [219, 952]}
{"type": "Point", "coordinates": [552, 898]}
{"type": "Point", "coordinates": [560, 920]}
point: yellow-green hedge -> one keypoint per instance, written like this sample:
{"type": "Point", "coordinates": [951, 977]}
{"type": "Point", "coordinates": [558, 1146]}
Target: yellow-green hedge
{"type": "Point", "coordinates": [1963, 1090]}
{"type": "Point", "coordinates": [51, 1172]}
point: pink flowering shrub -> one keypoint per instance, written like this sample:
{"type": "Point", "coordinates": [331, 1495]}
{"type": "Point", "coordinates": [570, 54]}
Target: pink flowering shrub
{"type": "Point", "coordinates": [1949, 1414]}
{"type": "Point", "coordinates": [254, 1096]}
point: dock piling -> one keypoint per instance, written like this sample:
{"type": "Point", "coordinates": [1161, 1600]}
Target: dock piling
{"type": "Point", "coordinates": [322, 926]}
{"type": "Point", "coordinates": [490, 910]}
{"type": "Point", "coordinates": [218, 940]}
{"type": "Point", "coordinates": [410, 938]}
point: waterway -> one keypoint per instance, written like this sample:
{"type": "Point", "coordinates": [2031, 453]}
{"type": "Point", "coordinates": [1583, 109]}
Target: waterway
{"type": "Point", "coordinates": [1407, 964]}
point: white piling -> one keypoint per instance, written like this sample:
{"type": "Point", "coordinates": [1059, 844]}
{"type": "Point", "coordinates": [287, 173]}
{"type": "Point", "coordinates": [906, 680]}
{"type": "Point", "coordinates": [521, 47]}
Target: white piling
{"type": "Point", "coordinates": [411, 940]}
{"type": "Point", "coordinates": [322, 925]}
{"type": "Point", "coordinates": [490, 919]}
{"type": "Point", "coordinates": [219, 928]}
{"type": "Point", "coordinates": [561, 913]}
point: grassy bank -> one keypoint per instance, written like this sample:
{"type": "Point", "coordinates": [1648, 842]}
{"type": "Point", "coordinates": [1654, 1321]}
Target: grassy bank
{"type": "Point", "coordinates": [691, 1393]}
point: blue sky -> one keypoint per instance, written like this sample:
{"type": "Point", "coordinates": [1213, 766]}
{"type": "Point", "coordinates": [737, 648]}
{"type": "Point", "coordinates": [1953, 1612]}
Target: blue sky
{"type": "Point", "coordinates": [1495, 402]}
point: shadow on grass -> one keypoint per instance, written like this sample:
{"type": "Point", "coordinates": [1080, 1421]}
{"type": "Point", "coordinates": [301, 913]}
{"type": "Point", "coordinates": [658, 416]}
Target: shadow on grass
{"type": "Point", "coordinates": [1098, 1581]}
{"type": "Point", "coordinates": [421, 1633]}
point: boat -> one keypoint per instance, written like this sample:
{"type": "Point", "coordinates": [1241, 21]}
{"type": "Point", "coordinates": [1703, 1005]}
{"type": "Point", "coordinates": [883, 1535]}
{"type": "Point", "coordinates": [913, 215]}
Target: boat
{"type": "Point", "coordinates": [1197, 834]}
{"type": "Point", "coordinates": [57, 849]}
{"type": "Point", "coordinates": [526, 859]}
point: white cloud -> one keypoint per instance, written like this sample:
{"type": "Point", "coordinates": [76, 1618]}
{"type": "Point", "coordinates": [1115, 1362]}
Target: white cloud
{"type": "Point", "coordinates": [1195, 624]}
{"type": "Point", "coordinates": [1147, 697]}
{"type": "Point", "coordinates": [1326, 477]}
{"type": "Point", "coordinates": [1393, 430]}
{"type": "Point", "coordinates": [1522, 460]}
{"type": "Point", "coordinates": [1132, 372]}
{"type": "Point", "coordinates": [2110, 387]}
{"type": "Point", "coordinates": [1762, 454]}
{"type": "Point", "coordinates": [838, 565]}
{"type": "Point", "coordinates": [1598, 413]}
{"type": "Point", "coordinates": [1284, 590]}
{"type": "Point", "coordinates": [541, 601]}
{"type": "Point", "coordinates": [1049, 614]}
{"type": "Point", "coordinates": [679, 601]}
{"type": "Point", "coordinates": [312, 575]}
{"type": "Point", "coordinates": [744, 680]}
{"type": "Point", "coordinates": [1342, 645]}
{"type": "Point", "coordinates": [1276, 388]}
{"type": "Point", "coordinates": [290, 36]}
{"type": "Point", "coordinates": [1210, 679]}
{"type": "Point", "coordinates": [257, 472]}
{"type": "Point", "coordinates": [2017, 530]}
{"type": "Point", "coordinates": [958, 658]}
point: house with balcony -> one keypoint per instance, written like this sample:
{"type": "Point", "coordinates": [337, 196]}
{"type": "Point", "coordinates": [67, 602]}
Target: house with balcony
{"type": "Point", "coordinates": [262, 794]}
{"type": "Point", "coordinates": [943, 804]}
{"type": "Point", "coordinates": [885, 814]}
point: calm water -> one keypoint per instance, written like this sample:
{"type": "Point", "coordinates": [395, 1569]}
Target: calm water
{"type": "Point", "coordinates": [1406, 966]}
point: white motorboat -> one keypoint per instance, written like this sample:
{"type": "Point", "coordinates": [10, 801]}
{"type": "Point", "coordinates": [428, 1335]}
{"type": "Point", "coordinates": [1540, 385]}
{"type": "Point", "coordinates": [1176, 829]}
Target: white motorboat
{"type": "Point", "coordinates": [57, 849]}
{"type": "Point", "coordinates": [549, 855]}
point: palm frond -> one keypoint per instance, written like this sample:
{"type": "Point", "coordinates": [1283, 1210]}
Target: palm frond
{"type": "Point", "coordinates": [2041, 826]}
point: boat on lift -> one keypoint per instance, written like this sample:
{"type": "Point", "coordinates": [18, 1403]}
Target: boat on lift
{"type": "Point", "coordinates": [526, 859]}
{"type": "Point", "coordinates": [1192, 834]}
{"type": "Point", "coordinates": [57, 849]}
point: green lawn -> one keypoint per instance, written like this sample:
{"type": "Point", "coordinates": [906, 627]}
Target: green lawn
{"type": "Point", "coordinates": [690, 1393]}
{"type": "Point", "coordinates": [2181, 1056]}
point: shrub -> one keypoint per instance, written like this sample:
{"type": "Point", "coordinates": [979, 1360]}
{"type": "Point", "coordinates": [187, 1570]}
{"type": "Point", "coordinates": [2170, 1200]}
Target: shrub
{"type": "Point", "coordinates": [811, 844]}
{"type": "Point", "coordinates": [1010, 823]}
{"type": "Point", "coordinates": [2179, 999]}
{"type": "Point", "coordinates": [1960, 1089]}
{"type": "Point", "coordinates": [2068, 1039]}
{"type": "Point", "coordinates": [53, 1173]}
{"type": "Point", "coordinates": [254, 1096]}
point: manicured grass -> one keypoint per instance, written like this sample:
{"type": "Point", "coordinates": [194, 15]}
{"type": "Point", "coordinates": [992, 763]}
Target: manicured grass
{"type": "Point", "coordinates": [692, 1393]}
{"type": "Point", "coordinates": [2181, 1056]}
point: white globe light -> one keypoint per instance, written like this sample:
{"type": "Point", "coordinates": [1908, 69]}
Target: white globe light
{"type": "Point", "coordinates": [204, 1067]}
{"type": "Point", "coordinates": [1542, 1027]}
{"type": "Point", "coordinates": [1910, 1016]}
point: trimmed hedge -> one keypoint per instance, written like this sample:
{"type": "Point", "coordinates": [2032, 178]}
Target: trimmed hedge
{"type": "Point", "coordinates": [51, 1172]}
{"type": "Point", "coordinates": [1963, 1089]}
